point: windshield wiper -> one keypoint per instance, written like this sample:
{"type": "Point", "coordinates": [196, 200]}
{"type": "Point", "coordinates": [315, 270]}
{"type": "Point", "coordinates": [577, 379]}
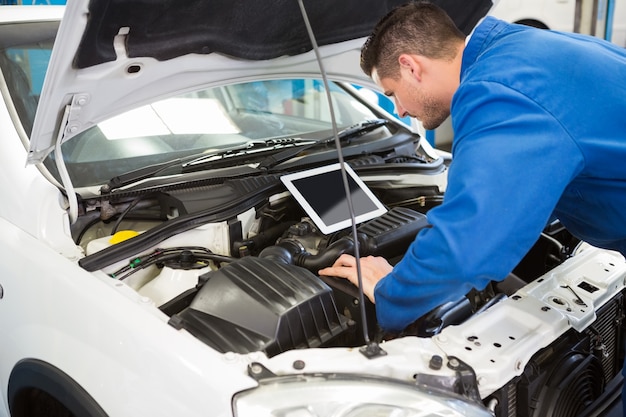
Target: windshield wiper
{"type": "Point", "coordinates": [248, 148]}
{"type": "Point", "coordinates": [353, 131]}
{"type": "Point", "coordinates": [180, 165]}
{"type": "Point", "coordinates": [293, 146]}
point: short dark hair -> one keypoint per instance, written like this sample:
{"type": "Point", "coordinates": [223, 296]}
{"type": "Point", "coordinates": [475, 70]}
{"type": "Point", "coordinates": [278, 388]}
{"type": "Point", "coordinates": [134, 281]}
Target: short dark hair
{"type": "Point", "coordinates": [419, 27]}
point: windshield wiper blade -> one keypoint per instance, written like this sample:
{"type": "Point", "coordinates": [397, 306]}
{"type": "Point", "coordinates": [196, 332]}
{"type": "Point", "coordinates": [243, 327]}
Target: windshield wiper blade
{"type": "Point", "coordinates": [179, 165]}
{"type": "Point", "coordinates": [358, 129]}
{"type": "Point", "coordinates": [293, 146]}
{"type": "Point", "coordinates": [247, 148]}
{"type": "Point", "coordinates": [361, 128]}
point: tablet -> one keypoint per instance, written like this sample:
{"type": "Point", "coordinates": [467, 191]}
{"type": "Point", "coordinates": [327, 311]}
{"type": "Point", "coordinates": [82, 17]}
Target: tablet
{"type": "Point", "coordinates": [321, 193]}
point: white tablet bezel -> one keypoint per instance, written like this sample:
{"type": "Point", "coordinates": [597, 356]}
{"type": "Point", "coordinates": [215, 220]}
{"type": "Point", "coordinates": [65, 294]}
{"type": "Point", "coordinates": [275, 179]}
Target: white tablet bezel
{"type": "Point", "coordinates": [325, 228]}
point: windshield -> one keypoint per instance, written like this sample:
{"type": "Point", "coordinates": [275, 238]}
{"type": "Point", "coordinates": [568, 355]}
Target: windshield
{"type": "Point", "coordinates": [208, 121]}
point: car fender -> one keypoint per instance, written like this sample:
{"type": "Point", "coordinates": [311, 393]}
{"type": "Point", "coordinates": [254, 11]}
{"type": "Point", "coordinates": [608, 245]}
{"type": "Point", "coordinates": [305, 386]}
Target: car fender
{"type": "Point", "coordinates": [101, 334]}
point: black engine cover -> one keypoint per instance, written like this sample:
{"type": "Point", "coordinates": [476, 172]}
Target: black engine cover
{"type": "Point", "coordinates": [257, 304]}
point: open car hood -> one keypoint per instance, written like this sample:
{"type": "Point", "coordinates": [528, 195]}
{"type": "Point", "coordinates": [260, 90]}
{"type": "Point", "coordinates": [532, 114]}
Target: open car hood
{"type": "Point", "coordinates": [111, 56]}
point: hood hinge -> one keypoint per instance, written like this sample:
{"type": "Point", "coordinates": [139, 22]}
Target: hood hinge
{"type": "Point", "coordinates": [65, 128]}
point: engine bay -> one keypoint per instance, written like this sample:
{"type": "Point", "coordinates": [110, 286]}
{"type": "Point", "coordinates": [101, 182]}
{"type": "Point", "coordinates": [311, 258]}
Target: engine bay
{"type": "Point", "coordinates": [235, 264]}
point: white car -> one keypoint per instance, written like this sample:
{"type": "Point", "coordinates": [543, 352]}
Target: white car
{"type": "Point", "coordinates": [164, 214]}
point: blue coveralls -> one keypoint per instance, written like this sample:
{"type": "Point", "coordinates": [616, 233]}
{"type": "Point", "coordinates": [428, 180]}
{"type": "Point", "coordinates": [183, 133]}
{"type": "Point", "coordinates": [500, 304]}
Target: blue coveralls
{"type": "Point", "coordinates": [539, 125]}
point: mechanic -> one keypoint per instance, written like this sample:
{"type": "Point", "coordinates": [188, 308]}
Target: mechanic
{"type": "Point", "coordinates": [539, 133]}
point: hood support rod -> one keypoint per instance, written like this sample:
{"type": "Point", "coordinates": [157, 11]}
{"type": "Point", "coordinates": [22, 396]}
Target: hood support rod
{"type": "Point", "coordinates": [371, 348]}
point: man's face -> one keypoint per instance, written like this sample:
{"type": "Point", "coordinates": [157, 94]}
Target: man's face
{"type": "Point", "coordinates": [413, 98]}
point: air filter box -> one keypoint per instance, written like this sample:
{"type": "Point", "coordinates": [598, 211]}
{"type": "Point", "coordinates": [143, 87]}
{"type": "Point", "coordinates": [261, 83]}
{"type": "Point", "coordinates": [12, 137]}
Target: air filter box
{"type": "Point", "coordinates": [257, 304]}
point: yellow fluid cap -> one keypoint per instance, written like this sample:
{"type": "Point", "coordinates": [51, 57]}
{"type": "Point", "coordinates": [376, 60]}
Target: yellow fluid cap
{"type": "Point", "coordinates": [122, 235]}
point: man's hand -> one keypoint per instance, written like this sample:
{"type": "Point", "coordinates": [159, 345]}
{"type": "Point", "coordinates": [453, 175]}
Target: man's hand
{"type": "Point", "coordinates": [373, 268]}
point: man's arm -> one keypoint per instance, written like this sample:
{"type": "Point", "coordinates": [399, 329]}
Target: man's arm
{"type": "Point", "coordinates": [503, 184]}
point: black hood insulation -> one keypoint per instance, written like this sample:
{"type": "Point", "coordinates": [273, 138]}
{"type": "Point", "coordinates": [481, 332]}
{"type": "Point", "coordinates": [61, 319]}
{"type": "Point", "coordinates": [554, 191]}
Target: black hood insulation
{"type": "Point", "coordinates": [248, 29]}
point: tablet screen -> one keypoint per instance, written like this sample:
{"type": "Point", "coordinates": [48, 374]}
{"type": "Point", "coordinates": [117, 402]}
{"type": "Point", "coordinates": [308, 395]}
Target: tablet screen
{"type": "Point", "coordinates": [321, 193]}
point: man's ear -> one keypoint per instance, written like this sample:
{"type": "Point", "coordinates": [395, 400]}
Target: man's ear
{"type": "Point", "coordinates": [410, 64]}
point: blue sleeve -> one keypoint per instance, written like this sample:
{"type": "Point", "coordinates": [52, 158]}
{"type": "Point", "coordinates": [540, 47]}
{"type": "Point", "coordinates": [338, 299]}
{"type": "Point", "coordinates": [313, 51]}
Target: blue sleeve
{"type": "Point", "coordinates": [511, 162]}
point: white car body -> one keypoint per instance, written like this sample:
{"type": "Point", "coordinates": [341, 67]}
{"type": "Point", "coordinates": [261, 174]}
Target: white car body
{"type": "Point", "coordinates": [101, 346]}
